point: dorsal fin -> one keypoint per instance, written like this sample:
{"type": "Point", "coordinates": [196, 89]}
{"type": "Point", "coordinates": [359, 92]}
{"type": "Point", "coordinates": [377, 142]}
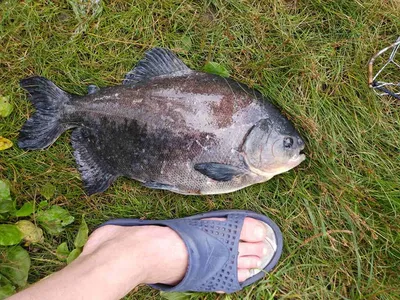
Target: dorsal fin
{"type": "Point", "coordinates": [156, 62]}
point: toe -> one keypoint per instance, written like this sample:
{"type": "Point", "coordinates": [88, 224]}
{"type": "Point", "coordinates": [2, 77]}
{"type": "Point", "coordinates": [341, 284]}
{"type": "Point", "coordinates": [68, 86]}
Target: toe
{"type": "Point", "coordinates": [249, 262]}
{"type": "Point", "coordinates": [243, 274]}
{"type": "Point", "coordinates": [253, 230]}
{"type": "Point", "coordinates": [252, 249]}
{"type": "Point", "coordinates": [257, 240]}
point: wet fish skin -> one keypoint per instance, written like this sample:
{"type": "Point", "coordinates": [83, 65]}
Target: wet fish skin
{"type": "Point", "coordinates": [173, 128]}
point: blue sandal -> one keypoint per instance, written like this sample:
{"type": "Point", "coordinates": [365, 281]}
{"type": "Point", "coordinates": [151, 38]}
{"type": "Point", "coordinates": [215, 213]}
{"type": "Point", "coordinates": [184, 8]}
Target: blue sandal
{"type": "Point", "coordinates": [213, 249]}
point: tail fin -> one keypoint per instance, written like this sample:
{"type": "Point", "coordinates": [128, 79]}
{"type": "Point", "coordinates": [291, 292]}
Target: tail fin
{"type": "Point", "coordinates": [44, 127]}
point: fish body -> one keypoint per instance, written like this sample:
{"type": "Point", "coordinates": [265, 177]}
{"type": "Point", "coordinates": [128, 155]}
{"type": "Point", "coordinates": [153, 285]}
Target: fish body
{"type": "Point", "coordinates": [168, 127]}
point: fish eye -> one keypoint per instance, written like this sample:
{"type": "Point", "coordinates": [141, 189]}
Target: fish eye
{"type": "Point", "coordinates": [287, 142]}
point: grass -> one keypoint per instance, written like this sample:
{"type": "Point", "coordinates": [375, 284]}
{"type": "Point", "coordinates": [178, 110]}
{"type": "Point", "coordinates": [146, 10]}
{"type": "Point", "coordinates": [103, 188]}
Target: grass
{"type": "Point", "coordinates": [339, 210]}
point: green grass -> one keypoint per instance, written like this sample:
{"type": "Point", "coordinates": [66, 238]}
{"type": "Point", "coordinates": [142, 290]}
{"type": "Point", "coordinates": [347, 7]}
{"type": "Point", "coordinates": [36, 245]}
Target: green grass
{"type": "Point", "coordinates": [338, 211]}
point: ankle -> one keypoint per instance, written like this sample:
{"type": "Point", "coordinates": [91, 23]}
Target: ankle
{"type": "Point", "coordinates": [165, 257]}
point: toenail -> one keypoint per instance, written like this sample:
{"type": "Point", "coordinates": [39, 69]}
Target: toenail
{"type": "Point", "coordinates": [259, 263]}
{"type": "Point", "coordinates": [259, 231]}
{"type": "Point", "coordinates": [265, 251]}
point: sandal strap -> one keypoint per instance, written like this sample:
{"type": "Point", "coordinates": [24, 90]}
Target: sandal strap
{"type": "Point", "coordinates": [213, 250]}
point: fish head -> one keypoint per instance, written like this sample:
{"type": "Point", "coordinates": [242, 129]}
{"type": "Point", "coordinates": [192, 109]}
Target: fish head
{"type": "Point", "coordinates": [272, 146]}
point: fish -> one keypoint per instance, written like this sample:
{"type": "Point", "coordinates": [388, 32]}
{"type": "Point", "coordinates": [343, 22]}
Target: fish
{"type": "Point", "coordinates": [168, 127]}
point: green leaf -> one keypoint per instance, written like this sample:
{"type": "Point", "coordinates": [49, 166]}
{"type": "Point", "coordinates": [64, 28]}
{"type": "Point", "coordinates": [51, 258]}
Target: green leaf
{"type": "Point", "coordinates": [6, 203]}
{"type": "Point", "coordinates": [175, 295]}
{"type": "Point", "coordinates": [6, 291]}
{"type": "Point", "coordinates": [5, 107]}
{"type": "Point", "coordinates": [25, 210]}
{"type": "Point", "coordinates": [216, 68]}
{"type": "Point", "coordinates": [4, 191]}
{"type": "Point", "coordinates": [6, 286]}
{"type": "Point", "coordinates": [73, 255]}
{"type": "Point", "coordinates": [82, 235]}
{"type": "Point", "coordinates": [10, 235]}
{"type": "Point", "coordinates": [7, 206]}
{"type": "Point", "coordinates": [31, 233]}
{"type": "Point", "coordinates": [43, 204]}
{"type": "Point", "coordinates": [15, 264]}
{"type": "Point", "coordinates": [62, 251]}
{"type": "Point", "coordinates": [3, 280]}
{"type": "Point", "coordinates": [54, 219]}
{"type": "Point", "coordinates": [47, 191]}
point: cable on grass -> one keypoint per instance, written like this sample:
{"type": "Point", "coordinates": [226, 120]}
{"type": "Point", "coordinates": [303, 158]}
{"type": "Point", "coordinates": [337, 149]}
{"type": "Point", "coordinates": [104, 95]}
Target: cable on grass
{"type": "Point", "coordinates": [383, 88]}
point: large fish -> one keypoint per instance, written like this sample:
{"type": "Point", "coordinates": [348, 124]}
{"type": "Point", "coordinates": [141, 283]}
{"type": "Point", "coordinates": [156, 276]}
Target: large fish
{"type": "Point", "coordinates": [168, 127]}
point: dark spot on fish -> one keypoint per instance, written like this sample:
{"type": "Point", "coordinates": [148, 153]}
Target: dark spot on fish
{"type": "Point", "coordinates": [195, 192]}
{"type": "Point", "coordinates": [136, 149]}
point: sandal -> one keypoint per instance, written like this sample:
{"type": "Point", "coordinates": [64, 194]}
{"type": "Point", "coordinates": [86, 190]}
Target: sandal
{"type": "Point", "coordinates": [213, 249]}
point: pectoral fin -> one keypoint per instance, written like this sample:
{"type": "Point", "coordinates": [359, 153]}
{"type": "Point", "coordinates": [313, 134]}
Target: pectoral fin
{"type": "Point", "coordinates": [219, 172]}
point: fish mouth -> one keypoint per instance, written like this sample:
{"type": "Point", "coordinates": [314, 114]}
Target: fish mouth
{"type": "Point", "coordinates": [297, 158]}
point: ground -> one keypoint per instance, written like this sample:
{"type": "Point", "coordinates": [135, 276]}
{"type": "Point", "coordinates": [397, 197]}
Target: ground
{"type": "Point", "coordinates": [338, 210]}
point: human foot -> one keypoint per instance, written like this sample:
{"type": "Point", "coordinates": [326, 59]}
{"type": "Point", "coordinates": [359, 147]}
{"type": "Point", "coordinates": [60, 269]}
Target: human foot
{"type": "Point", "coordinates": [162, 255]}
{"type": "Point", "coordinates": [189, 254]}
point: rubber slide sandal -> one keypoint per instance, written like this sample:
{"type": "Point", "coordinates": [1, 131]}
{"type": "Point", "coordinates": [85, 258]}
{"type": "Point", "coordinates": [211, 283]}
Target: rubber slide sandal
{"type": "Point", "coordinates": [213, 249]}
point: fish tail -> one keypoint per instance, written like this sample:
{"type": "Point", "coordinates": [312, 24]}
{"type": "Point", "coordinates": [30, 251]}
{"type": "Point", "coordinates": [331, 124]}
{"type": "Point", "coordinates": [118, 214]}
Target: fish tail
{"type": "Point", "coordinates": [45, 126]}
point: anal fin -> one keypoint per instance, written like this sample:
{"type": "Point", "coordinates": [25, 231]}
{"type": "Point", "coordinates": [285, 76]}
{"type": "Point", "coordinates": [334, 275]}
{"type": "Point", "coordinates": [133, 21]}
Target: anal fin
{"type": "Point", "coordinates": [95, 174]}
{"type": "Point", "coordinates": [159, 186]}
